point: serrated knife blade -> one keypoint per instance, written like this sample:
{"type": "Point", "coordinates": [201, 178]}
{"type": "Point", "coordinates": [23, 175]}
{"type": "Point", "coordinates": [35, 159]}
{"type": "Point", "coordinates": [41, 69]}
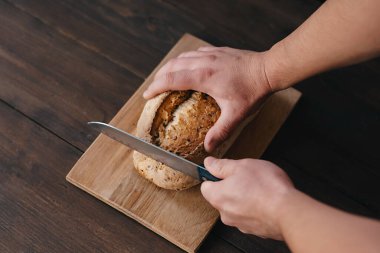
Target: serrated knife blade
{"type": "Point", "coordinates": [161, 155]}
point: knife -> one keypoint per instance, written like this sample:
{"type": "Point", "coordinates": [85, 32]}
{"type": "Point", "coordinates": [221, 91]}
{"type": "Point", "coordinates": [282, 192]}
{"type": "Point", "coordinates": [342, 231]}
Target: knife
{"type": "Point", "coordinates": [161, 155]}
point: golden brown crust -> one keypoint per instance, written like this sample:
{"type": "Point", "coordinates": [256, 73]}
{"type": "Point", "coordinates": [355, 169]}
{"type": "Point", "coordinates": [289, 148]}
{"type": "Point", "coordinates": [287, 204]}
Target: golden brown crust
{"type": "Point", "coordinates": [178, 122]}
{"type": "Point", "coordinates": [147, 116]}
{"type": "Point", "coordinates": [160, 174]}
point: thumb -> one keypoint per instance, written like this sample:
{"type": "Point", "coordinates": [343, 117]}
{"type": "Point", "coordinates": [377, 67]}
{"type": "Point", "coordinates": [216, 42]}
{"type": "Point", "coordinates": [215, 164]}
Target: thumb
{"type": "Point", "coordinates": [221, 130]}
{"type": "Point", "coordinates": [220, 168]}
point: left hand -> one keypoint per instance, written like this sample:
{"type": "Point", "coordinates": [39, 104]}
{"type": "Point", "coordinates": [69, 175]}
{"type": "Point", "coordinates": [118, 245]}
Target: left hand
{"type": "Point", "coordinates": [235, 78]}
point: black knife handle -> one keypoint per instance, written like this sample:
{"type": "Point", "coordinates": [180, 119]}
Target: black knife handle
{"type": "Point", "coordinates": [204, 175]}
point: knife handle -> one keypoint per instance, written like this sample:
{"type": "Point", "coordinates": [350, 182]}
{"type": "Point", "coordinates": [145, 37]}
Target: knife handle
{"type": "Point", "coordinates": [204, 175]}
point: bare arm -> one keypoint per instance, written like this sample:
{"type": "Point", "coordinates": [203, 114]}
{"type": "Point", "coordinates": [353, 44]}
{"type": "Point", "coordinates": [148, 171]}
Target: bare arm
{"type": "Point", "coordinates": [257, 197]}
{"type": "Point", "coordinates": [339, 33]}
{"type": "Point", "coordinates": [309, 226]}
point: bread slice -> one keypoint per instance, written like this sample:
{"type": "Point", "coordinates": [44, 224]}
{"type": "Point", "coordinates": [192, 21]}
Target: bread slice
{"type": "Point", "coordinates": [178, 122]}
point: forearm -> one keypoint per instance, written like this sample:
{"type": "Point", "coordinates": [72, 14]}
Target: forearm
{"type": "Point", "coordinates": [309, 226]}
{"type": "Point", "coordinates": [339, 33]}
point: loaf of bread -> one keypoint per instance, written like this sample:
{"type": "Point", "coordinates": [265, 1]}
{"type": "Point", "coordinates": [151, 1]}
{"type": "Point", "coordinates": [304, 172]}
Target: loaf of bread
{"type": "Point", "coordinates": [176, 121]}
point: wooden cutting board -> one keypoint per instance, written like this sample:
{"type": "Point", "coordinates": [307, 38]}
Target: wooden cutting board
{"type": "Point", "coordinates": [106, 169]}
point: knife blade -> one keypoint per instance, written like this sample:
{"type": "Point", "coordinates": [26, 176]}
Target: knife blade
{"type": "Point", "coordinates": [161, 155]}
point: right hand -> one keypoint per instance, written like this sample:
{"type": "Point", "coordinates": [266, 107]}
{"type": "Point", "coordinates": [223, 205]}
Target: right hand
{"type": "Point", "coordinates": [251, 195]}
{"type": "Point", "coordinates": [235, 78]}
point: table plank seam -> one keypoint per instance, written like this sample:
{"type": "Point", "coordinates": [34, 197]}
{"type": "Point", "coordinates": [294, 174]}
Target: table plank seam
{"type": "Point", "coordinates": [40, 125]}
{"type": "Point", "coordinates": [239, 248]}
{"type": "Point", "coordinates": [374, 210]}
{"type": "Point", "coordinates": [189, 15]}
{"type": "Point", "coordinates": [256, 44]}
{"type": "Point", "coordinates": [339, 149]}
{"type": "Point", "coordinates": [84, 44]}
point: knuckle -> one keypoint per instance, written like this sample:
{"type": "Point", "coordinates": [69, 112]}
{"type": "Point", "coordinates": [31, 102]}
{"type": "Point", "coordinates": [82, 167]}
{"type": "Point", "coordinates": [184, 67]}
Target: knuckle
{"type": "Point", "coordinates": [246, 162]}
{"type": "Point", "coordinates": [242, 111]}
{"type": "Point", "coordinates": [224, 167]}
{"type": "Point", "coordinates": [238, 58]}
{"type": "Point", "coordinates": [171, 63]}
{"type": "Point", "coordinates": [205, 47]}
{"type": "Point", "coordinates": [217, 163]}
{"type": "Point", "coordinates": [216, 201]}
{"type": "Point", "coordinates": [221, 163]}
{"type": "Point", "coordinates": [186, 78]}
{"type": "Point", "coordinates": [244, 231]}
{"type": "Point", "coordinates": [169, 77]}
{"type": "Point", "coordinates": [212, 57]}
{"type": "Point", "coordinates": [224, 131]}
{"type": "Point", "coordinates": [226, 220]}
{"type": "Point", "coordinates": [224, 48]}
{"type": "Point", "coordinates": [220, 168]}
{"type": "Point", "coordinates": [205, 74]}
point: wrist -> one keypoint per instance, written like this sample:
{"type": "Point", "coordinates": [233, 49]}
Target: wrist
{"type": "Point", "coordinates": [288, 210]}
{"type": "Point", "coordinates": [255, 77]}
{"type": "Point", "coordinates": [294, 213]}
{"type": "Point", "coordinates": [277, 68]}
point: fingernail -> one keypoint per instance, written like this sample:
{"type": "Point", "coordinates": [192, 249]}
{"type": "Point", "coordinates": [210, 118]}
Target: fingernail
{"type": "Point", "coordinates": [209, 161]}
{"type": "Point", "coordinates": [211, 145]}
{"type": "Point", "coordinates": [145, 94]}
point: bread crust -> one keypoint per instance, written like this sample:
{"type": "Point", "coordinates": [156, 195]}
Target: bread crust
{"type": "Point", "coordinates": [178, 122]}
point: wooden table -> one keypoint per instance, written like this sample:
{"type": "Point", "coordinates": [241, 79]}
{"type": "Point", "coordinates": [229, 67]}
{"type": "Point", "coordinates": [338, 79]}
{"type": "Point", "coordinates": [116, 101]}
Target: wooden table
{"type": "Point", "coordinates": [63, 63]}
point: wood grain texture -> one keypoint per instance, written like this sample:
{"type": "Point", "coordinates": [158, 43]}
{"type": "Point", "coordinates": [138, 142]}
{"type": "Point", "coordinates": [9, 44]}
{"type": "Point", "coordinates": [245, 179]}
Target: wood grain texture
{"type": "Point", "coordinates": [184, 218]}
{"type": "Point", "coordinates": [63, 63]}
{"type": "Point", "coordinates": [41, 212]}
{"type": "Point", "coordinates": [55, 80]}
{"type": "Point", "coordinates": [255, 25]}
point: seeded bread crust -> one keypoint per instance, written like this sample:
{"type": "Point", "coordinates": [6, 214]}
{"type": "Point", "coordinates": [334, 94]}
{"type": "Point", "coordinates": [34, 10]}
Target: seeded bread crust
{"type": "Point", "coordinates": [178, 122]}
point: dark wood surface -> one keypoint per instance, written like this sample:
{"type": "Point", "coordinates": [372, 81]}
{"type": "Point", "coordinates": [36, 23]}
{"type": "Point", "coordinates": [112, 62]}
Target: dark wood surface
{"type": "Point", "coordinates": [63, 63]}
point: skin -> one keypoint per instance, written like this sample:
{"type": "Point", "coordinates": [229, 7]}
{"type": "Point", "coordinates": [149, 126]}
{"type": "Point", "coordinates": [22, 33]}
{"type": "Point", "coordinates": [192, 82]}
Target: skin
{"type": "Point", "coordinates": [234, 78]}
{"type": "Point", "coordinates": [256, 196]}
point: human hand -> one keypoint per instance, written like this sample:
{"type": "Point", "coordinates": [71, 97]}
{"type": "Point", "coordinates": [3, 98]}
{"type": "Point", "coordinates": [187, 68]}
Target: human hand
{"type": "Point", "coordinates": [235, 78]}
{"type": "Point", "coordinates": [250, 194]}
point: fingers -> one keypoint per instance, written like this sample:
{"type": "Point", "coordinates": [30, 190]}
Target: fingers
{"type": "Point", "coordinates": [188, 61]}
{"type": "Point", "coordinates": [174, 75]}
{"type": "Point", "coordinates": [186, 73]}
{"type": "Point", "coordinates": [211, 52]}
{"type": "Point", "coordinates": [212, 192]}
{"type": "Point", "coordinates": [217, 49]}
{"type": "Point", "coordinates": [215, 192]}
{"type": "Point", "coordinates": [208, 190]}
{"type": "Point", "coordinates": [185, 63]}
{"type": "Point", "coordinates": [220, 168]}
{"type": "Point", "coordinates": [204, 51]}
{"type": "Point", "coordinates": [195, 54]}
{"type": "Point", "coordinates": [179, 80]}
{"type": "Point", "coordinates": [221, 129]}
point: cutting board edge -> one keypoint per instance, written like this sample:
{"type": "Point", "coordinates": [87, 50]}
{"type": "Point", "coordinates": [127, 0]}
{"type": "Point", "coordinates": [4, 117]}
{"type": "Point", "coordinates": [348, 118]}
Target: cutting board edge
{"type": "Point", "coordinates": [139, 220]}
{"type": "Point", "coordinates": [298, 95]}
{"type": "Point", "coordinates": [116, 120]}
